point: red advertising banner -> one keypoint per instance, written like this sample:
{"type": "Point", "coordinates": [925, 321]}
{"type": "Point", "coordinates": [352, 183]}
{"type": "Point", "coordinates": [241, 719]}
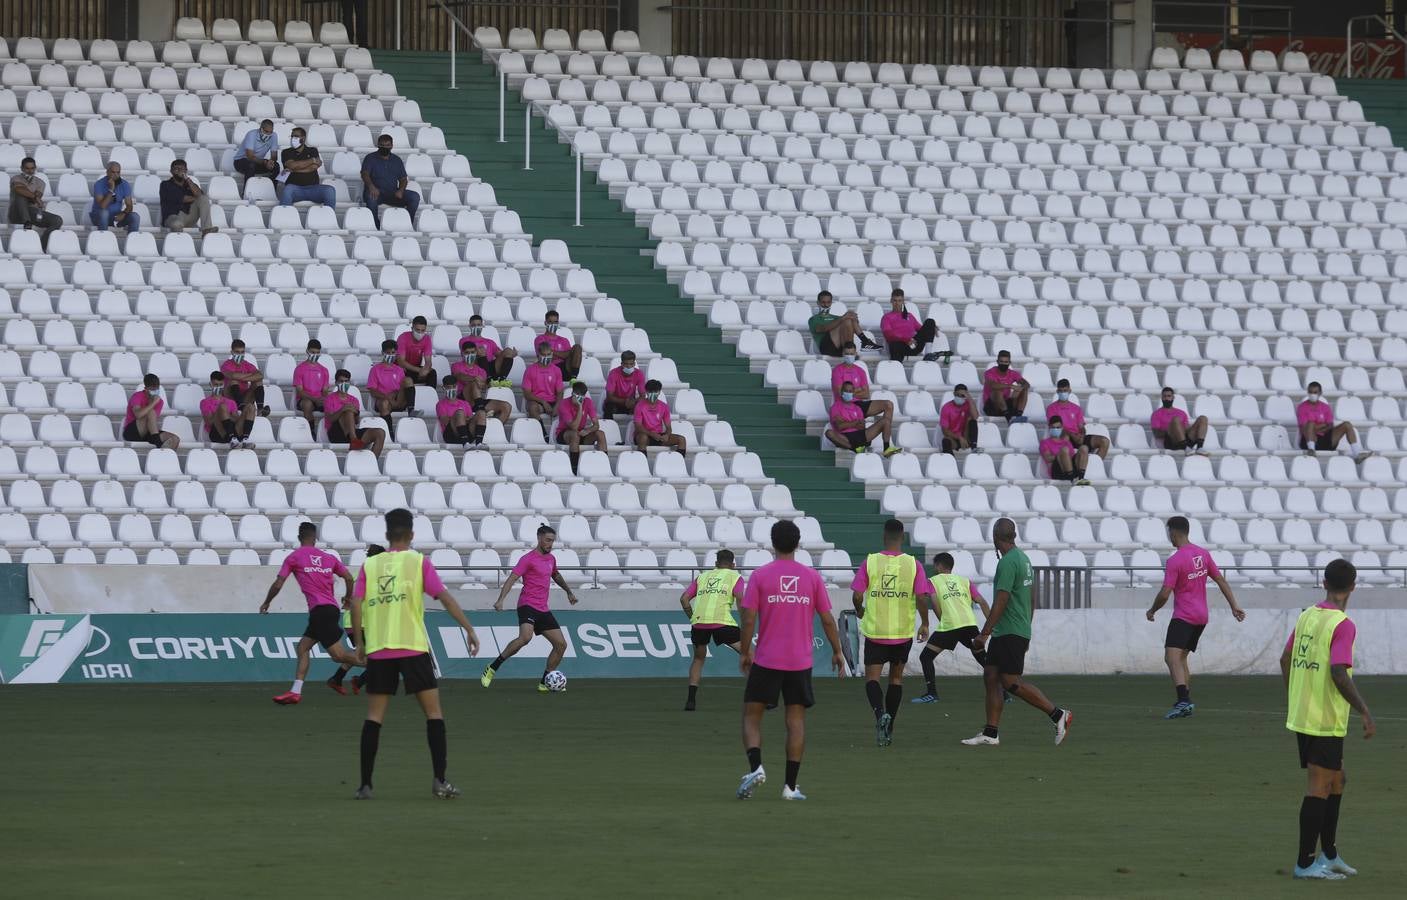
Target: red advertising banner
{"type": "Point", "coordinates": [1372, 57]}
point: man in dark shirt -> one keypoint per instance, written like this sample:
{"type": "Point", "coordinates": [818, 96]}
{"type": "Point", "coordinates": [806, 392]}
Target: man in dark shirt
{"type": "Point", "coordinates": [27, 202]}
{"type": "Point", "coordinates": [183, 203]}
{"type": "Point", "coordinates": [384, 181]}
{"type": "Point", "coordinates": [302, 162]}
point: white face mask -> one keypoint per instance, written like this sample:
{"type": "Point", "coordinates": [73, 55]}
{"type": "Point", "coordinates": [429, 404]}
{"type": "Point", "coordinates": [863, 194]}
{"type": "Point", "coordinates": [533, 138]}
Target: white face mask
{"type": "Point", "coordinates": [388, 357]}
{"type": "Point", "coordinates": [849, 358]}
{"type": "Point", "coordinates": [1315, 398]}
{"type": "Point", "coordinates": [152, 392]}
{"type": "Point", "coordinates": [419, 333]}
{"type": "Point", "coordinates": [296, 142]}
{"type": "Point", "coordinates": [343, 387]}
{"type": "Point", "coordinates": [579, 398]}
{"type": "Point", "coordinates": [1062, 396]}
{"type": "Point", "coordinates": [628, 370]}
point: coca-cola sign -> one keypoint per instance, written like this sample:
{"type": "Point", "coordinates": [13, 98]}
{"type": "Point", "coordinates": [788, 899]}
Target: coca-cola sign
{"type": "Point", "coordinates": [1372, 57]}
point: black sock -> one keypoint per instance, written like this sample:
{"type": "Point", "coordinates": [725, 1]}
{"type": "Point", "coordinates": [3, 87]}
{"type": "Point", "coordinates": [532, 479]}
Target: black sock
{"type": "Point", "coordinates": [1329, 831]}
{"type": "Point", "coordinates": [543, 680]}
{"type": "Point", "coordinates": [1056, 715]}
{"type": "Point", "coordinates": [575, 457]}
{"type": "Point", "coordinates": [1183, 694]}
{"type": "Point", "coordinates": [154, 440]}
{"type": "Point", "coordinates": [876, 697]}
{"type": "Point", "coordinates": [1311, 823]}
{"type": "Point", "coordinates": [340, 674]}
{"type": "Point", "coordinates": [754, 758]}
{"type": "Point", "coordinates": [693, 692]}
{"type": "Point", "coordinates": [793, 768]}
{"type": "Point", "coordinates": [463, 433]}
{"type": "Point", "coordinates": [892, 699]}
{"type": "Point", "coordinates": [925, 659]}
{"type": "Point", "coordinates": [439, 745]}
{"type": "Point", "coordinates": [371, 737]}
{"type": "Point", "coordinates": [477, 435]}
{"type": "Point", "coordinates": [989, 730]}
{"type": "Point", "coordinates": [497, 662]}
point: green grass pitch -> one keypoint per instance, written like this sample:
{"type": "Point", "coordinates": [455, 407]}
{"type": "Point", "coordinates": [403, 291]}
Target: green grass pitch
{"type": "Point", "coordinates": [610, 790]}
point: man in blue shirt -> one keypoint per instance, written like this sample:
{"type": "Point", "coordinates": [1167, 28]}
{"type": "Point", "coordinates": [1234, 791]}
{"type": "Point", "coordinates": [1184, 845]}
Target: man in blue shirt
{"type": "Point", "coordinates": [384, 181]}
{"type": "Point", "coordinates": [257, 155]}
{"type": "Point", "coordinates": [112, 201]}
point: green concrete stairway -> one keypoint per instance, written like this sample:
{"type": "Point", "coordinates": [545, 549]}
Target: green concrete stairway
{"type": "Point", "coordinates": [1384, 102]}
{"type": "Point", "coordinates": [610, 245]}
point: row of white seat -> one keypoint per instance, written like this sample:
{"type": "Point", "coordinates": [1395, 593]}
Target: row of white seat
{"type": "Point", "coordinates": [182, 52]}
{"type": "Point", "coordinates": [83, 104]}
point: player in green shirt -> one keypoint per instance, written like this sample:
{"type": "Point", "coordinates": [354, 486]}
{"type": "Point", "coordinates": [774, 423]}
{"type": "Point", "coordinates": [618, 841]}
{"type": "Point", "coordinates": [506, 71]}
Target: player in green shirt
{"type": "Point", "coordinates": [830, 333]}
{"type": "Point", "coordinates": [1009, 627]}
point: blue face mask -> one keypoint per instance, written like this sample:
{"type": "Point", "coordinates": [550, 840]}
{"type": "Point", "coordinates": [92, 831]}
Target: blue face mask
{"type": "Point", "coordinates": [847, 396]}
{"type": "Point", "coordinates": [1056, 431]}
{"type": "Point", "coordinates": [1062, 396]}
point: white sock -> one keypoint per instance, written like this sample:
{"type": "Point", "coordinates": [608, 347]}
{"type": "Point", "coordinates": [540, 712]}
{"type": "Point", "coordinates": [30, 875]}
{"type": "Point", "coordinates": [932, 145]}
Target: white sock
{"type": "Point", "coordinates": [1354, 448]}
{"type": "Point", "coordinates": [297, 687]}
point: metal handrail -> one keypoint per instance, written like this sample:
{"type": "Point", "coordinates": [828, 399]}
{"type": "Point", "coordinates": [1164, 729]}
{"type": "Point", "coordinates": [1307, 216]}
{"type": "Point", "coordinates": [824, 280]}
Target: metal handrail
{"type": "Point", "coordinates": [1348, 38]}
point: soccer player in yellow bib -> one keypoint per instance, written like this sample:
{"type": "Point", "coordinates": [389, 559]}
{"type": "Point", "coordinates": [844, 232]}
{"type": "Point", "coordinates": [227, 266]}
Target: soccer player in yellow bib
{"type": "Point", "coordinates": [388, 621]}
{"type": "Point", "coordinates": [886, 591]}
{"type": "Point", "coordinates": [1318, 667]}
{"type": "Point", "coordinates": [708, 601]}
{"type": "Point", "coordinates": [953, 597]}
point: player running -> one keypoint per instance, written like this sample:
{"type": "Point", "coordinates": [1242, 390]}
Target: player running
{"type": "Point", "coordinates": [714, 594]}
{"type": "Point", "coordinates": [1318, 667]}
{"type": "Point", "coordinates": [1009, 626]}
{"type": "Point", "coordinates": [538, 569]}
{"type": "Point", "coordinates": [885, 591]}
{"type": "Point", "coordinates": [314, 569]}
{"type": "Point", "coordinates": [1186, 580]}
{"type": "Point", "coordinates": [953, 596]}
{"type": "Point", "coordinates": [780, 604]}
{"type": "Point", "coordinates": [335, 682]}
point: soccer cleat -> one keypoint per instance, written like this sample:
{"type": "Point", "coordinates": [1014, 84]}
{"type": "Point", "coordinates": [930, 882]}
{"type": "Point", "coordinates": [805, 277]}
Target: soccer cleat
{"type": "Point", "coordinates": [688, 706]}
{"type": "Point", "coordinates": [926, 698]}
{"type": "Point", "coordinates": [337, 686]}
{"type": "Point", "coordinates": [859, 449]}
{"type": "Point", "coordinates": [750, 782]}
{"type": "Point", "coordinates": [444, 790]}
{"type": "Point", "coordinates": [893, 449]}
{"type": "Point", "coordinates": [1336, 865]}
{"type": "Point", "coordinates": [1319, 871]}
{"type": "Point", "coordinates": [363, 793]}
{"type": "Point", "coordinates": [1181, 710]}
{"type": "Point", "coordinates": [543, 689]}
{"type": "Point", "coordinates": [1019, 420]}
{"type": "Point", "coordinates": [357, 682]}
{"type": "Point", "coordinates": [884, 730]}
{"type": "Point", "coordinates": [1062, 728]}
{"type": "Point", "coordinates": [288, 699]}
{"type": "Point", "coordinates": [789, 793]}
{"type": "Point", "coordinates": [981, 740]}
{"type": "Point", "coordinates": [356, 443]}
{"type": "Point", "coordinates": [486, 679]}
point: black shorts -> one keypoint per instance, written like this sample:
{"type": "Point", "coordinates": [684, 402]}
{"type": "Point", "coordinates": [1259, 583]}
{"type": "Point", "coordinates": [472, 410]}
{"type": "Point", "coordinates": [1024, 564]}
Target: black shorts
{"type": "Point", "coordinates": [1183, 635]}
{"type": "Point", "coordinates": [726, 634]}
{"type": "Point", "coordinates": [765, 685]}
{"type": "Point", "coordinates": [1088, 442]}
{"type": "Point", "coordinates": [825, 346]}
{"type": "Point", "coordinates": [1170, 444]}
{"type": "Point", "coordinates": [130, 433]}
{"type": "Point", "coordinates": [317, 404]}
{"type": "Point", "coordinates": [864, 406]}
{"type": "Point", "coordinates": [1324, 442]}
{"type": "Point", "coordinates": [589, 436]}
{"type": "Point", "coordinates": [542, 622]}
{"type": "Point", "coordinates": [877, 654]}
{"type": "Point", "coordinates": [947, 640]}
{"type": "Point", "coordinates": [1008, 653]}
{"type": "Point", "coordinates": [1324, 752]}
{"type": "Point", "coordinates": [858, 439]}
{"type": "Point", "coordinates": [615, 409]}
{"type": "Point", "coordinates": [383, 675]}
{"type": "Point", "coordinates": [336, 435]}
{"type": "Point", "coordinates": [653, 441]}
{"type": "Point", "coordinates": [324, 625]}
{"type": "Point", "coordinates": [990, 409]}
{"type": "Point", "coordinates": [429, 378]}
{"type": "Point", "coordinates": [479, 405]}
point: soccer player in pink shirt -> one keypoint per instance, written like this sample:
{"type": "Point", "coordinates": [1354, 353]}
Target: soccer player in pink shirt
{"type": "Point", "coordinates": [850, 370]}
{"type": "Point", "coordinates": [542, 387]}
{"type": "Point", "coordinates": [390, 387]}
{"type": "Point", "coordinates": [1318, 430]}
{"type": "Point", "coordinates": [311, 384]}
{"type": "Point", "coordinates": [244, 383]}
{"type": "Point", "coordinates": [653, 425]}
{"type": "Point", "coordinates": [780, 605]}
{"type": "Point", "coordinates": [903, 332]}
{"type": "Point", "coordinates": [848, 430]}
{"type": "Point", "coordinates": [577, 423]}
{"type": "Point", "coordinates": [459, 423]}
{"type": "Point", "coordinates": [538, 570]}
{"type": "Point", "coordinates": [625, 386]}
{"type": "Point", "coordinates": [1004, 391]}
{"type": "Point", "coordinates": [1065, 462]}
{"type": "Point", "coordinates": [1185, 580]}
{"type": "Point", "coordinates": [343, 414]}
{"type": "Point", "coordinates": [710, 617]}
{"type": "Point", "coordinates": [1169, 425]}
{"type": "Point", "coordinates": [142, 424]}
{"type": "Point", "coordinates": [1072, 419]}
{"type": "Point", "coordinates": [473, 381]}
{"type": "Point", "coordinates": [223, 422]}
{"type": "Point", "coordinates": [315, 570]}
{"type": "Point", "coordinates": [415, 352]}
{"type": "Point", "coordinates": [957, 422]}
{"type": "Point", "coordinates": [566, 354]}
{"type": "Point", "coordinates": [498, 361]}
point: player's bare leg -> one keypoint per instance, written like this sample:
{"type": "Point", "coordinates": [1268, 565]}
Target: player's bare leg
{"type": "Point", "coordinates": [554, 657]}
{"type": "Point", "coordinates": [294, 695]}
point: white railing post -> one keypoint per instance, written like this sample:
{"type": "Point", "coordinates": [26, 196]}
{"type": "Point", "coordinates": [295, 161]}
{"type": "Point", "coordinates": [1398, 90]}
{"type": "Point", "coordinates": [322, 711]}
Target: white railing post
{"type": "Point", "coordinates": [453, 52]}
{"type": "Point", "coordinates": [527, 137]}
{"type": "Point", "coordinates": [502, 92]}
{"type": "Point", "coordinates": [577, 154]}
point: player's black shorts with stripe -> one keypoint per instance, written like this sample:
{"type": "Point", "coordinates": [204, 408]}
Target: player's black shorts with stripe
{"type": "Point", "coordinates": [541, 620]}
{"type": "Point", "coordinates": [324, 625]}
{"type": "Point", "coordinates": [382, 675]}
{"type": "Point", "coordinates": [765, 685]}
{"type": "Point", "coordinates": [947, 640]}
{"type": "Point", "coordinates": [724, 634]}
{"type": "Point", "coordinates": [877, 654]}
{"type": "Point", "coordinates": [337, 435]}
{"type": "Point", "coordinates": [1183, 635]}
{"type": "Point", "coordinates": [1008, 653]}
{"type": "Point", "coordinates": [1324, 752]}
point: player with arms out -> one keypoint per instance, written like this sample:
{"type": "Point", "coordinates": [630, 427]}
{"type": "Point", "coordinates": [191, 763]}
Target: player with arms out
{"type": "Point", "coordinates": [1318, 667]}
{"type": "Point", "coordinates": [1186, 581]}
{"type": "Point", "coordinates": [713, 595]}
{"type": "Point", "coordinates": [780, 605]}
{"type": "Point", "coordinates": [314, 569]}
{"type": "Point", "coordinates": [1009, 626]}
{"type": "Point", "coordinates": [953, 597]}
{"type": "Point", "coordinates": [388, 620]}
{"type": "Point", "coordinates": [538, 569]}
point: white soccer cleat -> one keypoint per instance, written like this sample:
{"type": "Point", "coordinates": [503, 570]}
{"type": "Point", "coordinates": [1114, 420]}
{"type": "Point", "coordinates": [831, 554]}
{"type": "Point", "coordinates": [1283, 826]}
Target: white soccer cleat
{"type": "Point", "coordinates": [750, 782]}
{"type": "Point", "coordinates": [981, 740]}
{"type": "Point", "coordinates": [1319, 871]}
{"type": "Point", "coordinates": [1062, 728]}
{"type": "Point", "coordinates": [1336, 865]}
{"type": "Point", "coordinates": [792, 793]}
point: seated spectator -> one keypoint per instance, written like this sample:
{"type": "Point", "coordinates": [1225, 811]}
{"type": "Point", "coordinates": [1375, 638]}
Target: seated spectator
{"type": "Point", "coordinates": [1318, 430]}
{"type": "Point", "coordinates": [222, 418]}
{"type": "Point", "coordinates": [473, 386]}
{"type": "Point", "coordinates": [460, 423]}
{"type": "Point", "coordinates": [388, 384]}
{"type": "Point", "coordinates": [854, 373]}
{"type": "Point", "coordinates": [384, 179]}
{"type": "Point", "coordinates": [566, 354]}
{"type": "Point", "coordinates": [1066, 462]}
{"type": "Point", "coordinates": [414, 353]}
{"type": "Point", "coordinates": [542, 386]}
{"type": "Point", "coordinates": [1169, 425]}
{"type": "Point", "coordinates": [1072, 420]}
{"type": "Point", "coordinates": [343, 415]}
{"type": "Point", "coordinates": [300, 167]}
{"type": "Point", "coordinates": [830, 333]}
{"type": "Point", "coordinates": [257, 154]}
{"type": "Point", "coordinates": [848, 430]}
{"type": "Point", "coordinates": [244, 383]}
{"type": "Point", "coordinates": [903, 332]}
{"type": "Point", "coordinates": [112, 202]}
{"type": "Point", "coordinates": [577, 423]}
{"type": "Point", "coordinates": [27, 202]}
{"type": "Point", "coordinates": [957, 422]}
{"type": "Point", "coordinates": [653, 424]}
{"type": "Point", "coordinates": [310, 384]}
{"type": "Point", "coordinates": [1004, 391]}
{"type": "Point", "coordinates": [497, 361]}
{"type": "Point", "coordinates": [183, 203]}
{"type": "Point", "coordinates": [142, 424]}
{"type": "Point", "coordinates": [625, 385]}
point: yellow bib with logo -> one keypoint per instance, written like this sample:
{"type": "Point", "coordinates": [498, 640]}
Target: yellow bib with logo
{"type": "Point", "coordinates": [1316, 706]}
{"type": "Point", "coordinates": [889, 599]}
{"type": "Point", "coordinates": [714, 600]}
{"type": "Point", "coordinates": [954, 601]}
{"type": "Point", "coordinates": [393, 610]}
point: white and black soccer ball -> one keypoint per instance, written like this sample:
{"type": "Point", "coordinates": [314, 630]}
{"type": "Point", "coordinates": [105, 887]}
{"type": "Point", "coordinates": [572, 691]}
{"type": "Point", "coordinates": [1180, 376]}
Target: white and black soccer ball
{"type": "Point", "coordinates": [555, 681]}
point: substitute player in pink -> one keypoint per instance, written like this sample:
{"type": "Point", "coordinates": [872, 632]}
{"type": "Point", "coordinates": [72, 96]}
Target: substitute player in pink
{"type": "Point", "coordinates": [315, 570]}
{"type": "Point", "coordinates": [1318, 431]}
{"type": "Point", "coordinates": [779, 606]}
{"type": "Point", "coordinates": [1186, 581]}
{"type": "Point", "coordinates": [538, 569]}
{"type": "Point", "coordinates": [312, 382]}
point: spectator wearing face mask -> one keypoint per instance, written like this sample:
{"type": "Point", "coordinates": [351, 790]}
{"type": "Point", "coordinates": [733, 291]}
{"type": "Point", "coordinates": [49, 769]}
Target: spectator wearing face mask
{"type": "Point", "coordinates": [27, 202]}
{"type": "Point", "coordinates": [957, 422]}
{"type": "Point", "coordinates": [497, 361]}
{"type": "Point", "coordinates": [388, 384]}
{"type": "Point", "coordinates": [566, 354]}
{"type": "Point", "coordinates": [183, 202]}
{"type": "Point", "coordinates": [904, 333]}
{"type": "Point", "coordinates": [472, 382]}
{"type": "Point", "coordinates": [1004, 391]}
{"type": "Point", "coordinates": [578, 423]}
{"type": "Point", "coordinates": [851, 371]}
{"type": "Point", "coordinates": [142, 424]}
{"type": "Point", "coordinates": [460, 423]}
{"type": "Point", "coordinates": [244, 383]}
{"type": "Point", "coordinates": [414, 352]}
{"type": "Point", "coordinates": [1072, 420]}
{"type": "Point", "coordinates": [311, 384]}
{"type": "Point", "coordinates": [625, 386]}
{"type": "Point", "coordinates": [223, 420]}
{"type": "Point", "coordinates": [112, 202]}
{"type": "Point", "coordinates": [653, 425]}
{"type": "Point", "coordinates": [344, 415]}
{"type": "Point", "coordinates": [1169, 425]}
{"type": "Point", "coordinates": [257, 155]}
{"type": "Point", "coordinates": [830, 333]}
{"type": "Point", "coordinates": [1317, 428]}
{"type": "Point", "coordinates": [301, 163]}
{"type": "Point", "coordinates": [848, 430]}
{"type": "Point", "coordinates": [1066, 462]}
{"type": "Point", "coordinates": [542, 386]}
{"type": "Point", "coordinates": [384, 181]}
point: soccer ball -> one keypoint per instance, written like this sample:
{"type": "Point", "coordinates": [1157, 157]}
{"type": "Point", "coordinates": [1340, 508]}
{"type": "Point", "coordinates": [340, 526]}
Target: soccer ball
{"type": "Point", "coordinates": [556, 681]}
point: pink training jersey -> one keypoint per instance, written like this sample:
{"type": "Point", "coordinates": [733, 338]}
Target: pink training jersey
{"type": "Point", "coordinates": [995, 378]}
{"type": "Point", "coordinates": [412, 351]}
{"type": "Point", "coordinates": [1318, 413]}
{"type": "Point", "coordinates": [211, 405]}
{"type": "Point", "coordinates": [311, 378]}
{"type": "Point", "coordinates": [336, 401]}
{"type": "Point", "coordinates": [536, 569]}
{"type": "Point", "coordinates": [653, 417]}
{"type": "Point", "coordinates": [855, 374]}
{"type": "Point", "coordinates": [1162, 418]}
{"type": "Point", "coordinates": [543, 383]}
{"type": "Point", "coordinates": [316, 571]}
{"type": "Point", "coordinates": [433, 588]}
{"type": "Point", "coordinates": [861, 583]}
{"type": "Point", "coordinates": [385, 378]}
{"type": "Point", "coordinates": [1071, 416]}
{"type": "Point", "coordinates": [448, 406]}
{"type": "Point", "coordinates": [847, 416]}
{"type": "Point", "coordinates": [954, 416]}
{"type": "Point", "coordinates": [1053, 446]}
{"type": "Point", "coordinates": [1340, 645]}
{"type": "Point", "coordinates": [1187, 573]}
{"type": "Point", "coordinates": [230, 367]}
{"type": "Point", "coordinates": [619, 384]}
{"type": "Point", "coordinates": [488, 348]}
{"type": "Point", "coordinates": [787, 596]}
{"type": "Point", "coordinates": [140, 399]}
{"type": "Point", "coordinates": [899, 327]}
{"type": "Point", "coordinates": [462, 370]}
{"type": "Point", "coordinates": [567, 410]}
{"type": "Point", "coordinates": [558, 343]}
